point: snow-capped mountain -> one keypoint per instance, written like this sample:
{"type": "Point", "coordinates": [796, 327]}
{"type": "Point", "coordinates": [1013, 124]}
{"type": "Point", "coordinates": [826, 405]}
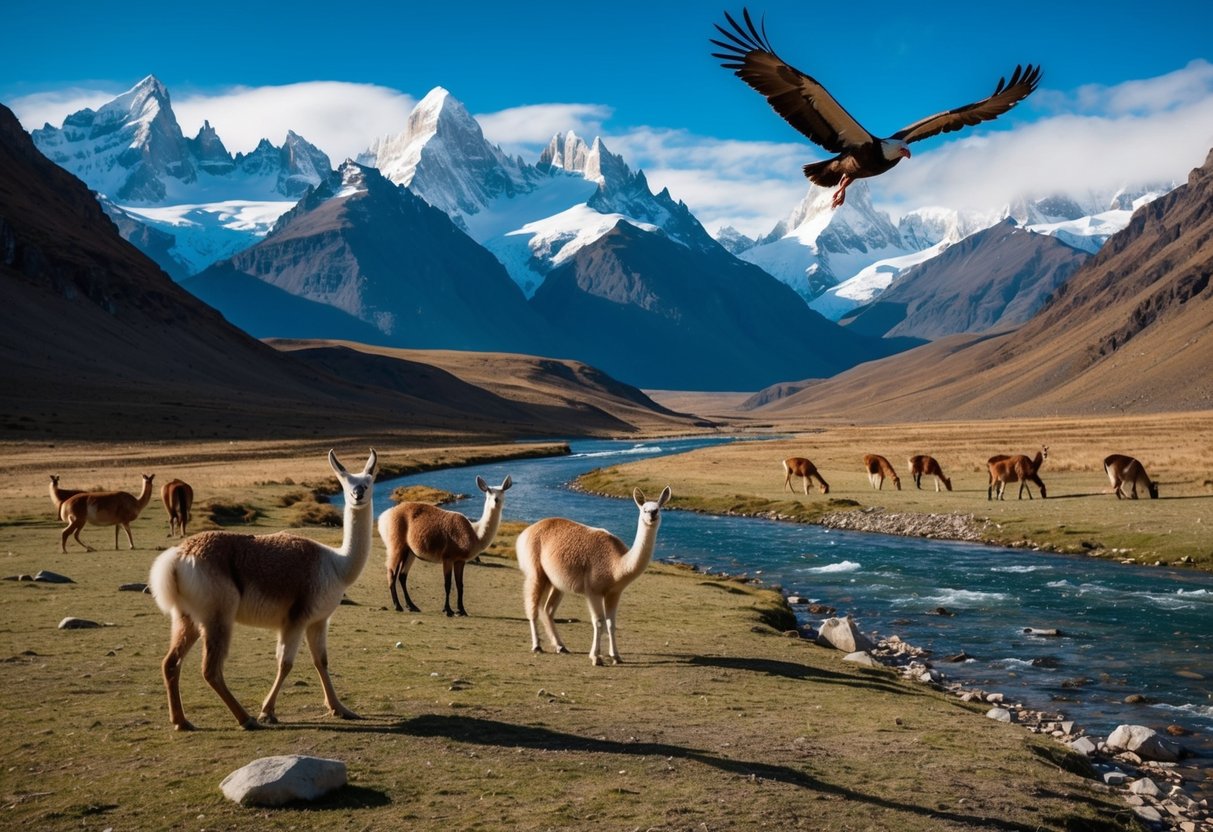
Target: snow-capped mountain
{"type": "Point", "coordinates": [532, 217]}
{"type": "Point", "coordinates": [443, 157]}
{"type": "Point", "coordinates": [818, 246]}
{"type": "Point", "coordinates": [380, 254]}
{"type": "Point", "coordinates": [599, 190]}
{"type": "Point", "coordinates": [212, 203]}
{"type": "Point", "coordinates": [839, 260]}
{"type": "Point", "coordinates": [133, 151]}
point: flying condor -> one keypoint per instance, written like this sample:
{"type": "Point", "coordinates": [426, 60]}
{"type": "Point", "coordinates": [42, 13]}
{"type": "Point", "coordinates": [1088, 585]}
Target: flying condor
{"type": "Point", "coordinates": [806, 105]}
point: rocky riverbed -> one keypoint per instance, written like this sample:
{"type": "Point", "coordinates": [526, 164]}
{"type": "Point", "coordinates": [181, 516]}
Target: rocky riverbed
{"type": "Point", "coordinates": [1163, 789]}
{"type": "Point", "coordinates": [966, 527]}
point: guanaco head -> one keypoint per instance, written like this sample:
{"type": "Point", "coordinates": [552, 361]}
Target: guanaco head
{"type": "Point", "coordinates": [357, 487]}
{"type": "Point", "coordinates": [650, 510]}
{"type": "Point", "coordinates": [494, 494]}
{"type": "Point", "coordinates": [54, 481]}
{"type": "Point", "coordinates": [1153, 488]}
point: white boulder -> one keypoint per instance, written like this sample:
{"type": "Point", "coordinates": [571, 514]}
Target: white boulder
{"type": "Point", "coordinates": [1145, 742]}
{"type": "Point", "coordinates": [842, 634]}
{"type": "Point", "coordinates": [274, 781]}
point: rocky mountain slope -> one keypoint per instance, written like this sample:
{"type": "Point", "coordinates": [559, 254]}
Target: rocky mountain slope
{"type": "Point", "coordinates": [993, 280]}
{"type": "Point", "coordinates": [661, 315]}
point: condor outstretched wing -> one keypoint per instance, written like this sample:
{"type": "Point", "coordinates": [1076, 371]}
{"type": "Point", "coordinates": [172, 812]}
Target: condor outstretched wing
{"type": "Point", "coordinates": [1006, 95]}
{"type": "Point", "coordinates": [800, 99]}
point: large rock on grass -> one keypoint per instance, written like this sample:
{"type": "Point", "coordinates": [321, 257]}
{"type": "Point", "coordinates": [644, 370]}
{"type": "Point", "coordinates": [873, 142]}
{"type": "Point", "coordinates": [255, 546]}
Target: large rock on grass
{"type": "Point", "coordinates": [842, 634]}
{"type": "Point", "coordinates": [275, 781]}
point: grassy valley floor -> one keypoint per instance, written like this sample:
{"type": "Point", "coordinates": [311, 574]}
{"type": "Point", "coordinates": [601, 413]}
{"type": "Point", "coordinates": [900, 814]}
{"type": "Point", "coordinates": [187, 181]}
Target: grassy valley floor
{"type": "Point", "coordinates": [718, 720]}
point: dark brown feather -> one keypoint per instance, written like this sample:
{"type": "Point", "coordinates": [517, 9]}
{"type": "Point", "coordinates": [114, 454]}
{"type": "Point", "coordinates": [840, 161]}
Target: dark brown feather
{"type": "Point", "coordinates": [1005, 96]}
{"type": "Point", "coordinates": [800, 99]}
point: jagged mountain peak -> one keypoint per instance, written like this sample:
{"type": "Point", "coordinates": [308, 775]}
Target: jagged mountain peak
{"type": "Point", "coordinates": [439, 110]}
{"type": "Point", "coordinates": [566, 151]}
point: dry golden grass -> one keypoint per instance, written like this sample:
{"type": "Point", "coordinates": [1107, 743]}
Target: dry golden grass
{"type": "Point", "coordinates": [716, 720]}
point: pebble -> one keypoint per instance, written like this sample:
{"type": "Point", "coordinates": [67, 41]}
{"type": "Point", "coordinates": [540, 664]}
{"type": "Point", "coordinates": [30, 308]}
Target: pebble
{"type": "Point", "coordinates": [1000, 714]}
{"type": "Point", "coordinates": [133, 587]}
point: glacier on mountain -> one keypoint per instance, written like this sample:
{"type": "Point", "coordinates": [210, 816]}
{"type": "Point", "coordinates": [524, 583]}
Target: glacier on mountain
{"type": "Point", "coordinates": [817, 246]}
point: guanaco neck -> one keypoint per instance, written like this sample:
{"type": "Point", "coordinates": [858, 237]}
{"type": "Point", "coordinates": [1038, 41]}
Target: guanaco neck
{"type": "Point", "coordinates": [355, 541]}
{"type": "Point", "coordinates": [486, 527]}
{"type": "Point", "coordinates": [145, 494]}
{"type": "Point", "coordinates": [636, 560]}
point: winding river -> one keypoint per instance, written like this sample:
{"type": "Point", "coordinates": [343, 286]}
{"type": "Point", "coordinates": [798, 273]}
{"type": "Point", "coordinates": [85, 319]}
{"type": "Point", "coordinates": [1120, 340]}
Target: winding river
{"type": "Point", "coordinates": [1124, 629]}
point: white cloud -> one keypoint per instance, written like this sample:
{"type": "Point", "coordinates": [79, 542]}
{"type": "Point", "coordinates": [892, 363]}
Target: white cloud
{"type": "Point", "coordinates": [524, 129]}
{"type": "Point", "coordinates": [1072, 154]}
{"type": "Point", "coordinates": [53, 107]}
{"type": "Point", "coordinates": [1181, 88]}
{"type": "Point", "coordinates": [340, 118]}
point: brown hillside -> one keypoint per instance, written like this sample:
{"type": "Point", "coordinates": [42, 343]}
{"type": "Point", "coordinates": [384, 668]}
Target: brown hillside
{"type": "Point", "coordinates": [552, 396]}
{"type": "Point", "coordinates": [1132, 332]}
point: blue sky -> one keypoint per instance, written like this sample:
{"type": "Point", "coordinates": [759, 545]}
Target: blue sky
{"type": "Point", "coordinates": [641, 75]}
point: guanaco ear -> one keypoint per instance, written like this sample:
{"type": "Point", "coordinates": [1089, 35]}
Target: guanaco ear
{"type": "Point", "coordinates": [482, 485]}
{"type": "Point", "coordinates": [337, 467]}
{"type": "Point", "coordinates": [665, 496]}
{"type": "Point", "coordinates": [372, 464]}
{"type": "Point", "coordinates": [506, 483]}
{"type": "Point", "coordinates": [638, 496]}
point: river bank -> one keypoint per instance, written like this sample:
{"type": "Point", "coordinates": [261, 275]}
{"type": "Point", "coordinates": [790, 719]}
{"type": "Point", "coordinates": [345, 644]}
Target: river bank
{"type": "Point", "coordinates": [1081, 516]}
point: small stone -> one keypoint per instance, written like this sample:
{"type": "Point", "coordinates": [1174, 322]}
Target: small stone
{"type": "Point", "coordinates": [1047, 662]}
{"type": "Point", "coordinates": [274, 781]}
{"type": "Point", "coordinates": [944, 611]}
{"type": "Point", "coordinates": [1147, 813]}
{"type": "Point", "coordinates": [1136, 699]}
{"type": "Point", "coordinates": [1145, 786]}
{"type": "Point", "coordinates": [399, 645]}
{"type": "Point", "coordinates": [48, 577]}
{"type": "Point", "coordinates": [132, 587]}
{"type": "Point", "coordinates": [71, 623]}
{"type": "Point", "coordinates": [1177, 730]}
{"type": "Point", "coordinates": [821, 609]}
{"type": "Point", "coordinates": [957, 658]}
{"type": "Point", "coordinates": [1050, 633]}
{"type": "Point", "coordinates": [1115, 778]}
{"type": "Point", "coordinates": [797, 599]}
{"type": "Point", "coordinates": [994, 697]}
{"type": "Point", "coordinates": [1068, 726]}
{"type": "Point", "coordinates": [1084, 746]}
{"type": "Point", "coordinates": [999, 714]}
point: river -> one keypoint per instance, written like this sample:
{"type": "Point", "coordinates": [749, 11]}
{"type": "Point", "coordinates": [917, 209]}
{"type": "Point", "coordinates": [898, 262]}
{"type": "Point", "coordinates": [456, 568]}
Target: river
{"type": "Point", "coordinates": [1124, 629]}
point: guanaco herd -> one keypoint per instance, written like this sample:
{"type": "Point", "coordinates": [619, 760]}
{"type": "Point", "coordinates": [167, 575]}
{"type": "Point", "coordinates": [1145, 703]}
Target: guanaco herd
{"type": "Point", "coordinates": [1122, 471]}
{"type": "Point", "coordinates": [212, 581]}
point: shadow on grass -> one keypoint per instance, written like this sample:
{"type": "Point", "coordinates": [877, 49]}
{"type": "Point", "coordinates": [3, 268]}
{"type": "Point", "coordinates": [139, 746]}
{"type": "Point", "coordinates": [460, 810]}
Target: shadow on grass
{"type": "Point", "coordinates": [347, 797]}
{"type": "Point", "coordinates": [491, 732]}
{"type": "Point", "coordinates": [793, 670]}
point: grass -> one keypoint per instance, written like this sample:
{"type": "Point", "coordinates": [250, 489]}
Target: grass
{"type": "Point", "coordinates": [718, 720]}
{"type": "Point", "coordinates": [1080, 515]}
